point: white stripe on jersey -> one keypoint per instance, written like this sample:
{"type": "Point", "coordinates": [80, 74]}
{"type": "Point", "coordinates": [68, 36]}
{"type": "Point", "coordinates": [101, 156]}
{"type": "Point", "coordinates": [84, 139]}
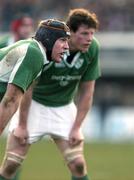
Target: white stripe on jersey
{"type": "Point", "coordinates": [15, 69]}
{"type": "Point", "coordinates": [8, 63]}
{"type": "Point", "coordinates": [43, 52]}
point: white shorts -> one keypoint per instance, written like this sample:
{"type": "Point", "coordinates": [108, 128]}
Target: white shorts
{"type": "Point", "coordinates": [44, 120]}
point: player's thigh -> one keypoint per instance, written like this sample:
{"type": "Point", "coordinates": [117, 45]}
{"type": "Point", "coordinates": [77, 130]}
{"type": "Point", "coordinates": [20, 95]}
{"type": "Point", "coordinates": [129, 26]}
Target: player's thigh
{"type": "Point", "coordinates": [14, 145]}
{"type": "Point", "coordinates": [69, 153]}
{"type": "Point", "coordinates": [61, 144]}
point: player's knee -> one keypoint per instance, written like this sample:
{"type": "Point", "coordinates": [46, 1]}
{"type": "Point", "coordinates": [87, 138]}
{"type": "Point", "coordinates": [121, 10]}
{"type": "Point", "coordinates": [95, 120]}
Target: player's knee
{"type": "Point", "coordinates": [11, 164]}
{"type": "Point", "coordinates": [77, 166]}
{"type": "Point", "coordinates": [72, 154]}
{"type": "Point", "coordinates": [75, 160]}
{"type": "Point", "coordinates": [10, 168]}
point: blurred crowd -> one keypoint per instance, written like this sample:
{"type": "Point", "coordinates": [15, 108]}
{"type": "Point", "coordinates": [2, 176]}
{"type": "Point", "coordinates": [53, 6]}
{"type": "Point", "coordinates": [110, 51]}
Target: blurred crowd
{"type": "Point", "coordinates": [114, 15]}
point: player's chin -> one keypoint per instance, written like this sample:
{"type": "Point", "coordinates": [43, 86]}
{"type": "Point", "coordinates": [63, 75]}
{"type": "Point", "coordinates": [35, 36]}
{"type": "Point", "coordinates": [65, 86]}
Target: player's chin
{"type": "Point", "coordinates": [84, 49]}
{"type": "Point", "coordinates": [58, 59]}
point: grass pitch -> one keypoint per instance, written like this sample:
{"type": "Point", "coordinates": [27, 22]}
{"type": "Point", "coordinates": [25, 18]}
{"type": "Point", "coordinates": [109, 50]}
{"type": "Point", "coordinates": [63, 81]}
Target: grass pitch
{"type": "Point", "coordinates": [105, 161]}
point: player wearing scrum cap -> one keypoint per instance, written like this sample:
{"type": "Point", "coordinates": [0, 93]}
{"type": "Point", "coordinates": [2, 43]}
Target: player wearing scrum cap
{"type": "Point", "coordinates": [52, 109]}
{"type": "Point", "coordinates": [20, 65]}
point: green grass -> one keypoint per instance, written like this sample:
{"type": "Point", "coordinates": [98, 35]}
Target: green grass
{"type": "Point", "coordinates": [105, 162]}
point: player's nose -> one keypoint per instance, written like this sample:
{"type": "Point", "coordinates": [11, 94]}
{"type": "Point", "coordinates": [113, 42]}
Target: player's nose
{"type": "Point", "coordinates": [66, 46]}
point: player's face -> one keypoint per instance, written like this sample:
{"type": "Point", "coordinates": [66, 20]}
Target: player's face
{"type": "Point", "coordinates": [26, 29]}
{"type": "Point", "coordinates": [82, 38]}
{"type": "Point", "coordinates": [59, 48]}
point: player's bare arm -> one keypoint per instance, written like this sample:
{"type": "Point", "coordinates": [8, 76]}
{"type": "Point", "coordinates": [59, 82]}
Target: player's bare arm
{"type": "Point", "coordinates": [84, 104]}
{"type": "Point", "coordinates": [24, 107]}
{"type": "Point", "coordinates": [9, 104]}
{"type": "Point", "coordinates": [21, 131]}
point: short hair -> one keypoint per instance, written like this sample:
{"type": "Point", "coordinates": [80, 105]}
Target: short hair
{"type": "Point", "coordinates": [78, 17]}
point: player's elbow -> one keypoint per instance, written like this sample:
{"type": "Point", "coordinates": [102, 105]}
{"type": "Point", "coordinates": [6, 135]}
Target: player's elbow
{"type": "Point", "coordinates": [12, 96]}
{"type": "Point", "coordinates": [10, 101]}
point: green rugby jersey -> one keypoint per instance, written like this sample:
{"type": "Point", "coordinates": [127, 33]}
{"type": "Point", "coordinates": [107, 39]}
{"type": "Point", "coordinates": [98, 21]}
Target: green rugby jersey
{"type": "Point", "coordinates": [6, 40]}
{"type": "Point", "coordinates": [21, 63]}
{"type": "Point", "coordinates": [59, 81]}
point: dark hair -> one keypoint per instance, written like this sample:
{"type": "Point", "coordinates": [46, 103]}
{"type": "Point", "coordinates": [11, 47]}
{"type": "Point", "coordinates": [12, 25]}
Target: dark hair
{"type": "Point", "coordinates": [77, 17]}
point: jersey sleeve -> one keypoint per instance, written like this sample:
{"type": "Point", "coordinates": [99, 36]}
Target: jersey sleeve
{"type": "Point", "coordinates": [93, 69]}
{"type": "Point", "coordinates": [27, 68]}
{"type": "Point", "coordinates": [4, 41]}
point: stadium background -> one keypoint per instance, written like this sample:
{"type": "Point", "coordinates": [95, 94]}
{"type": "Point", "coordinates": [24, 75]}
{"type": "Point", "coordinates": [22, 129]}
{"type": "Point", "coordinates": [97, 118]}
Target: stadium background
{"type": "Point", "coordinates": [109, 127]}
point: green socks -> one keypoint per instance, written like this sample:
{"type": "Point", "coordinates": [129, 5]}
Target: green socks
{"type": "Point", "coordinates": [17, 175]}
{"type": "Point", "coordinates": [80, 178]}
{"type": "Point", "coordinates": [2, 178]}
{"type": "Point", "coordinates": [15, 178]}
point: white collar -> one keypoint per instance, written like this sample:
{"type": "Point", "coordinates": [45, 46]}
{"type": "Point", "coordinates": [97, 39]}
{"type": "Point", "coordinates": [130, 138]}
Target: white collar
{"type": "Point", "coordinates": [42, 50]}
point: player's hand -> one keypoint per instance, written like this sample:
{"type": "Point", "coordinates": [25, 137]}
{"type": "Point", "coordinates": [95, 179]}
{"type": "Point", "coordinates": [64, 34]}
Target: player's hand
{"type": "Point", "coordinates": [75, 137]}
{"type": "Point", "coordinates": [21, 134]}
